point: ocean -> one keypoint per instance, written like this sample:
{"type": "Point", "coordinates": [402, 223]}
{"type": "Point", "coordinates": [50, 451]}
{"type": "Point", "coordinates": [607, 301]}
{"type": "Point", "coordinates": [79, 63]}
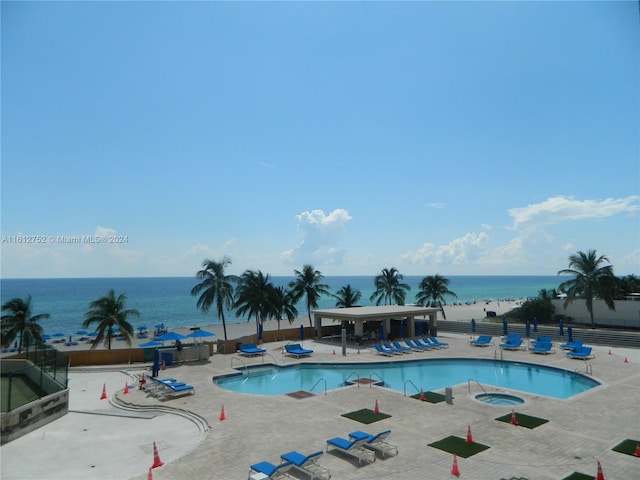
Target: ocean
{"type": "Point", "coordinates": [168, 300]}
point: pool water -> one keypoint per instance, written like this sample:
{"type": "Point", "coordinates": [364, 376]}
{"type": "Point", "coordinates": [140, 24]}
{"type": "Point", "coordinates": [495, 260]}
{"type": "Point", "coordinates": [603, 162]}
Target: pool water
{"type": "Point", "coordinates": [499, 399]}
{"type": "Point", "coordinates": [428, 374]}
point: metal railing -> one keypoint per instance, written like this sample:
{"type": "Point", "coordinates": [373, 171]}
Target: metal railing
{"type": "Point", "coordinates": [414, 386]}
{"type": "Point", "coordinates": [477, 382]}
{"type": "Point", "coordinates": [315, 384]}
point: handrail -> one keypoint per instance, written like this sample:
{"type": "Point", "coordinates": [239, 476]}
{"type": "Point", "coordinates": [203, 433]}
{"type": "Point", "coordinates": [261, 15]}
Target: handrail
{"type": "Point", "coordinates": [241, 361]}
{"type": "Point", "coordinates": [371, 374]}
{"type": "Point", "coordinates": [474, 380]}
{"type": "Point", "coordinates": [320, 380]}
{"type": "Point", "coordinates": [405, 387]}
{"type": "Point", "coordinates": [349, 376]}
{"type": "Point", "coordinates": [272, 357]}
{"type": "Point", "coordinates": [588, 369]}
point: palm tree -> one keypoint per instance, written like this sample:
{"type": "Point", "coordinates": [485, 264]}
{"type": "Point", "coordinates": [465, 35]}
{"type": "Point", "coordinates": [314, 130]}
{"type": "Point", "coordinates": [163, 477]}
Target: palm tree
{"type": "Point", "coordinates": [20, 322]}
{"type": "Point", "coordinates": [110, 313]}
{"type": "Point", "coordinates": [254, 296]}
{"type": "Point", "coordinates": [282, 305]}
{"type": "Point", "coordinates": [216, 287]}
{"type": "Point", "coordinates": [347, 297]}
{"type": "Point", "coordinates": [308, 284]}
{"type": "Point", "coordinates": [389, 287]}
{"type": "Point", "coordinates": [433, 290]}
{"type": "Point", "coordinates": [591, 279]}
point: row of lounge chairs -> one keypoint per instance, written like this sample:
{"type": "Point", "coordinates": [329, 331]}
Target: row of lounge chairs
{"type": "Point", "coordinates": [416, 345]}
{"type": "Point", "coordinates": [361, 446]}
{"type": "Point", "coordinates": [542, 345]}
{"type": "Point", "coordinates": [167, 387]}
{"type": "Point", "coordinates": [292, 350]}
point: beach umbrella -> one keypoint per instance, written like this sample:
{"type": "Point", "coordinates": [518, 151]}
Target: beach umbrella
{"type": "Point", "coordinates": [82, 332]}
{"type": "Point", "coordinates": [301, 333]}
{"type": "Point", "coordinates": [569, 334]}
{"type": "Point", "coordinates": [535, 324]}
{"type": "Point", "coordinates": [561, 328]}
{"type": "Point", "coordinates": [142, 328]}
{"type": "Point", "coordinates": [170, 336]}
{"type": "Point", "coordinates": [200, 334]}
{"type": "Point", "coordinates": [381, 331]}
{"type": "Point", "coordinates": [160, 325]}
{"type": "Point", "coordinates": [59, 334]}
{"type": "Point", "coordinates": [473, 325]}
{"type": "Point", "coordinates": [505, 328]}
{"type": "Point", "coordinates": [150, 344]}
{"type": "Point", "coordinates": [46, 337]}
{"type": "Point", "coordinates": [527, 328]}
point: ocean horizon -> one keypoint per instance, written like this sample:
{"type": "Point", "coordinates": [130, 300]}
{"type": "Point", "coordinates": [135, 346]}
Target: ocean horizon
{"type": "Point", "coordinates": [168, 301]}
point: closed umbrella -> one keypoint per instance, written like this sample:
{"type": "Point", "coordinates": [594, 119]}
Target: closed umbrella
{"type": "Point", "coordinates": [401, 329]}
{"type": "Point", "coordinates": [569, 334]}
{"type": "Point", "coordinates": [527, 328]}
{"type": "Point", "coordinates": [156, 363]}
{"type": "Point", "coordinates": [381, 331]}
{"type": "Point", "coordinates": [505, 329]}
{"type": "Point", "coordinates": [535, 324]}
{"type": "Point", "coordinates": [260, 332]}
{"type": "Point", "coordinates": [473, 325]}
{"type": "Point", "coordinates": [301, 333]}
{"type": "Point", "coordinates": [420, 327]}
{"type": "Point", "coordinates": [561, 328]}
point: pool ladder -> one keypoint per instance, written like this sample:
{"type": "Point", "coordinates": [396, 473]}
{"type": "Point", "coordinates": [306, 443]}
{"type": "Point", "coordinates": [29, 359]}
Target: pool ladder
{"type": "Point", "coordinates": [414, 386]}
{"type": "Point", "coordinates": [315, 384]}
{"type": "Point", "coordinates": [474, 380]}
{"type": "Point", "coordinates": [357, 377]}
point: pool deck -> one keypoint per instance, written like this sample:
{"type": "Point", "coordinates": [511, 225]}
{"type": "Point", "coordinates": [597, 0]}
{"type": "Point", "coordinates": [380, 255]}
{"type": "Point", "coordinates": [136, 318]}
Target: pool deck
{"type": "Point", "coordinates": [580, 431]}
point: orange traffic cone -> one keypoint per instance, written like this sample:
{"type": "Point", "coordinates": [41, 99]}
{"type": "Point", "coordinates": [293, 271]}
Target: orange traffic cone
{"type": "Point", "coordinates": [469, 437]}
{"type": "Point", "coordinates": [609, 351]}
{"type": "Point", "coordinates": [637, 452]}
{"type": "Point", "coordinates": [514, 419]}
{"type": "Point", "coordinates": [156, 458]}
{"type": "Point", "coordinates": [334, 351]}
{"type": "Point", "coordinates": [282, 351]}
{"type": "Point", "coordinates": [600, 475]}
{"type": "Point", "coordinates": [358, 351]}
{"type": "Point", "coordinates": [222, 415]}
{"type": "Point", "coordinates": [150, 475]}
{"type": "Point", "coordinates": [126, 388]}
{"type": "Point", "coordinates": [376, 409]}
{"type": "Point", "coordinates": [421, 395]}
{"type": "Point", "coordinates": [625, 360]}
{"type": "Point", "coordinates": [104, 391]}
{"type": "Point", "coordinates": [454, 469]}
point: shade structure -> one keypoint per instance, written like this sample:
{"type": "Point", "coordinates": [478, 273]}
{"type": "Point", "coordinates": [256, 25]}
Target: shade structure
{"type": "Point", "coordinates": [150, 344]}
{"type": "Point", "coordinates": [527, 329]}
{"type": "Point", "coordinates": [170, 336]}
{"type": "Point", "coordinates": [505, 328]}
{"type": "Point", "coordinates": [535, 324]}
{"type": "Point", "coordinates": [200, 334]}
{"type": "Point", "coordinates": [569, 333]}
{"type": "Point", "coordinates": [473, 325]}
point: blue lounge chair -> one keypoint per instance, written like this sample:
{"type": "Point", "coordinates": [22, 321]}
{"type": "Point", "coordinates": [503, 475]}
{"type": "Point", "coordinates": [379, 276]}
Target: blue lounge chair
{"type": "Point", "coordinates": [269, 470]}
{"type": "Point", "coordinates": [571, 345]}
{"type": "Point", "coordinates": [541, 348]}
{"type": "Point", "coordinates": [378, 443]}
{"type": "Point", "coordinates": [395, 350]}
{"type": "Point", "coordinates": [583, 353]}
{"type": "Point", "coordinates": [308, 464]}
{"type": "Point", "coordinates": [383, 350]}
{"type": "Point", "coordinates": [400, 347]}
{"type": "Point", "coordinates": [354, 448]}
{"type": "Point", "coordinates": [513, 342]}
{"type": "Point", "coordinates": [296, 350]}
{"type": "Point", "coordinates": [436, 343]}
{"type": "Point", "coordinates": [482, 341]}
{"type": "Point", "coordinates": [423, 343]}
{"type": "Point", "coordinates": [250, 349]}
{"type": "Point", "coordinates": [415, 347]}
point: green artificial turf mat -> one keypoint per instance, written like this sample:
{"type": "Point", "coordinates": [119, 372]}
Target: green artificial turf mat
{"type": "Point", "coordinates": [366, 416]}
{"type": "Point", "coordinates": [526, 421]}
{"type": "Point", "coordinates": [459, 446]}
{"type": "Point", "coordinates": [579, 476]}
{"type": "Point", "coordinates": [627, 446]}
{"type": "Point", "coordinates": [430, 397]}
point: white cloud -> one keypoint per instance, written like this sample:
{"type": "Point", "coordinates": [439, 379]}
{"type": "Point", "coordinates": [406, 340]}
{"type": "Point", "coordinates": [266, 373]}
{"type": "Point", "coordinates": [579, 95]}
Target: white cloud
{"type": "Point", "coordinates": [104, 231]}
{"type": "Point", "coordinates": [321, 237]}
{"type": "Point", "coordinates": [467, 249]}
{"type": "Point", "coordinates": [560, 209]}
{"type": "Point", "coordinates": [436, 205]}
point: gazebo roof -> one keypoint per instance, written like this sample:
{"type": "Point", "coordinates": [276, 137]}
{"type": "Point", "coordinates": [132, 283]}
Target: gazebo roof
{"type": "Point", "coordinates": [382, 312]}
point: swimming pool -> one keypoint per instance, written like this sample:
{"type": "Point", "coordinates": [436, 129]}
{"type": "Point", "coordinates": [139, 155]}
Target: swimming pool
{"type": "Point", "coordinates": [428, 374]}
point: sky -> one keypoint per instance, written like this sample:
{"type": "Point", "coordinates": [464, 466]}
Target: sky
{"type": "Point", "coordinates": [458, 138]}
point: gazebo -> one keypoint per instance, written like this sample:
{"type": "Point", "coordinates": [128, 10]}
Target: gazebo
{"type": "Point", "coordinates": [382, 313]}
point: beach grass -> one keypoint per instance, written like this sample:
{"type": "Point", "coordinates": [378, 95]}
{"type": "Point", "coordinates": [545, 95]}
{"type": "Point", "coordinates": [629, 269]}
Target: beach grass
{"type": "Point", "coordinates": [627, 446]}
{"type": "Point", "coordinates": [526, 421]}
{"type": "Point", "coordinates": [366, 416]}
{"type": "Point", "coordinates": [459, 446]}
{"type": "Point", "coordinates": [431, 397]}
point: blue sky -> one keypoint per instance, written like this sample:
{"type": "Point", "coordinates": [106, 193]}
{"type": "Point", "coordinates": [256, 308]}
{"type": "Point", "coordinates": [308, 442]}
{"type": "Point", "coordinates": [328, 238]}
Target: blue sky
{"type": "Point", "coordinates": [433, 137]}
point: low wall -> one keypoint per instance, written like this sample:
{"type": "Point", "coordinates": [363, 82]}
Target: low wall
{"type": "Point", "coordinates": [626, 314]}
{"type": "Point", "coordinates": [105, 357]}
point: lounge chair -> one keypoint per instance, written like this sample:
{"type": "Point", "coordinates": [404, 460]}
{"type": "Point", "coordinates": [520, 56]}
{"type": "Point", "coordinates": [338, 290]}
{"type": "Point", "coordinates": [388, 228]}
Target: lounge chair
{"type": "Point", "coordinates": [436, 343]}
{"type": "Point", "coordinates": [583, 353]}
{"type": "Point", "coordinates": [402, 348]}
{"type": "Point", "coordinates": [354, 448]}
{"type": "Point", "coordinates": [269, 470]}
{"type": "Point", "coordinates": [423, 343]}
{"type": "Point", "coordinates": [415, 347]}
{"type": "Point", "coordinates": [571, 345]}
{"type": "Point", "coordinates": [250, 349]}
{"type": "Point", "coordinates": [380, 350]}
{"type": "Point", "coordinates": [296, 350]}
{"type": "Point", "coordinates": [396, 350]}
{"type": "Point", "coordinates": [482, 341]}
{"type": "Point", "coordinates": [542, 348]}
{"type": "Point", "coordinates": [378, 443]}
{"type": "Point", "coordinates": [513, 342]}
{"type": "Point", "coordinates": [308, 464]}
{"type": "Point", "coordinates": [168, 387]}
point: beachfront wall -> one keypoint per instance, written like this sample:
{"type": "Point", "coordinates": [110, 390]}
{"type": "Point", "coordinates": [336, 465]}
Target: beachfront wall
{"type": "Point", "coordinates": [626, 314]}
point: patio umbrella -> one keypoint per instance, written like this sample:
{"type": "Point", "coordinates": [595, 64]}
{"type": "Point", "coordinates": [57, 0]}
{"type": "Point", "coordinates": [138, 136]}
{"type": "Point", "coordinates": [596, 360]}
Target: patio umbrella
{"type": "Point", "coordinates": [569, 334]}
{"type": "Point", "coordinates": [527, 328]}
{"type": "Point", "coordinates": [170, 336]}
{"type": "Point", "coordinates": [561, 328]}
{"type": "Point", "coordinates": [473, 325]}
{"type": "Point", "coordinates": [535, 324]}
{"type": "Point", "coordinates": [505, 328]}
{"type": "Point", "coordinates": [150, 344]}
{"type": "Point", "coordinates": [200, 334]}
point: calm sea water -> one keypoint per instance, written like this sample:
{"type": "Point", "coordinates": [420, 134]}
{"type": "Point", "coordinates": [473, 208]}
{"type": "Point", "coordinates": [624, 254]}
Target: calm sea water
{"type": "Point", "coordinates": [168, 300]}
